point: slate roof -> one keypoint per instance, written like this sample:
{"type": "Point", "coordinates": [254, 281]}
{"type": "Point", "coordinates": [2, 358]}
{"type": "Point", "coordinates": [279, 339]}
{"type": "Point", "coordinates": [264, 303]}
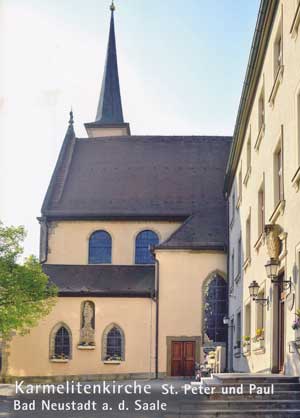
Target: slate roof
{"type": "Point", "coordinates": [147, 177]}
{"type": "Point", "coordinates": [109, 109]}
{"type": "Point", "coordinates": [102, 280]}
{"type": "Point", "coordinates": [199, 232]}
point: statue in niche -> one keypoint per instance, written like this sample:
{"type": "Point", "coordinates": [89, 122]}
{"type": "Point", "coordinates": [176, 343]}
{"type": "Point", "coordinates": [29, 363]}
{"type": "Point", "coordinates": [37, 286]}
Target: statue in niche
{"type": "Point", "coordinates": [87, 335]}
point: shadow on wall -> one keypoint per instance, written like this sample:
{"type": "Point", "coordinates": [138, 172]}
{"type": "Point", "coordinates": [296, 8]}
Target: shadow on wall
{"type": "Point", "coordinates": [239, 326]}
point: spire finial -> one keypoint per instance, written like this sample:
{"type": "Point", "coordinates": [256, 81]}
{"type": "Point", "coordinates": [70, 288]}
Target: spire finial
{"type": "Point", "coordinates": [112, 6]}
{"type": "Point", "coordinates": [71, 120]}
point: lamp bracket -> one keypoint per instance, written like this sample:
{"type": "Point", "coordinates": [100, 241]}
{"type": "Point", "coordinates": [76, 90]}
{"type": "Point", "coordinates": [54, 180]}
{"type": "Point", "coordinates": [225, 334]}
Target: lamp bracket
{"type": "Point", "coordinates": [263, 301]}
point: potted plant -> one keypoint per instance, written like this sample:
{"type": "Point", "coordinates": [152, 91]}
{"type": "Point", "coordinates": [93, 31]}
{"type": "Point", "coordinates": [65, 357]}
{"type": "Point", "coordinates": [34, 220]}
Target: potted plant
{"type": "Point", "coordinates": [246, 343]}
{"type": "Point", "coordinates": [259, 338]}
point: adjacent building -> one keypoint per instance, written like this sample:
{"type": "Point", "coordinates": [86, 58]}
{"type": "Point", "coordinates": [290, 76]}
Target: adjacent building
{"type": "Point", "coordinates": [262, 187]}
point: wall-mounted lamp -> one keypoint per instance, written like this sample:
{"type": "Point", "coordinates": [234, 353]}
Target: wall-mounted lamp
{"type": "Point", "coordinates": [272, 267]}
{"type": "Point", "coordinates": [253, 290]}
{"type": "Point", "coordinates": [226, 321]}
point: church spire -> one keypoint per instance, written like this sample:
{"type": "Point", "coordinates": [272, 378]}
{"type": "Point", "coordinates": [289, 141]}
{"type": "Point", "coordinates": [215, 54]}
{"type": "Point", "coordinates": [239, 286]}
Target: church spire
{"type": "Point", "coordinates": [110, 105]}
{"type": "Point", "coordinates": [109, 118]}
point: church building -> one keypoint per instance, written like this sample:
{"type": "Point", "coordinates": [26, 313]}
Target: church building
{"type": "Point", "coordinates": [134, 235]}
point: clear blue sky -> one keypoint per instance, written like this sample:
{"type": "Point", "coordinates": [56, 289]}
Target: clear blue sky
{"type": "Point", "coordinates": [181, 67]}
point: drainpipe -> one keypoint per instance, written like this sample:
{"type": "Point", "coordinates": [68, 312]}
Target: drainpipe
{"type": "Point", "coordinates": [156, 298]}
{"type": "Point", "coordinates": [228, 285]}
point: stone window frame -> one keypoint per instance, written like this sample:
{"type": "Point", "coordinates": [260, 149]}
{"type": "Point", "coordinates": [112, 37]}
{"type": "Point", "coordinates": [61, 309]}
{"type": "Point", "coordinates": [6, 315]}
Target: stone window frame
{"type": "Point", "coordinates": [53, 333]}
{"type": "Point", "coordinates": [278, 170]}
{"type": "Point", "coordinates": [104, 341]}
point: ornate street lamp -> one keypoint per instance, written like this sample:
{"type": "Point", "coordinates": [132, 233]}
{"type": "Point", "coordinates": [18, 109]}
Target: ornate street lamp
{"type": "Point", "coordinates": [272, 267]}
{"type": "Point", "coordinates": [272, 270]}
{"type": "Point", "coordinates": [253, 290]}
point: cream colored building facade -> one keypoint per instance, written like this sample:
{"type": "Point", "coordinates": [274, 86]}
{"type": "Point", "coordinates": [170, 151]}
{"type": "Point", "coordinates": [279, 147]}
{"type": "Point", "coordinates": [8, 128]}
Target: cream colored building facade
{"type": "Point", "coordinates": [133, 233]}
{"type": "Point", "coordinates": [262, 185]}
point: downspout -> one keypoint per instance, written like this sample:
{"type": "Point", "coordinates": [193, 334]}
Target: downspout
{"type": "Point", "coordinates": [156, 298]}
{"type": "Point", "coordinates": [228, 249]}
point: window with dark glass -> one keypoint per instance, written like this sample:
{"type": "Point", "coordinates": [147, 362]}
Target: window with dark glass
{"type": "Point", "coordinates": [100, 248]}
{"type": "Point", "coordinates": [238, 330]}
{"type": "Point", "coordinates": [114, 344]}
{"type": "Point", "coordinates": [144, 241]}
{"type": "Point", "coordinates": [216, 307]}
{"type": "Point", "coordinates": [62, 343]}
{"type": "Point", "coordinates": [261, 210]}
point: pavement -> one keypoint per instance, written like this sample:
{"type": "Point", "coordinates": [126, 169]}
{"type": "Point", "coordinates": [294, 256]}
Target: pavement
{"type": "Point", "coordinates": [165, 400]}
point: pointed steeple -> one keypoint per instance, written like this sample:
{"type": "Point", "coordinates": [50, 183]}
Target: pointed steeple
{"type": "Point", "coordinates": [110, 105]}
{"type": "Point", "coordinates": [109, 111]}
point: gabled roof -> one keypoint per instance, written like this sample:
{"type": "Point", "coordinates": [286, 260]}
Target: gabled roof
{"type": "Point", "coordinates": [204, 230]}
{"type": "Point", "coordinates": [102, 280]}
{"type": "Point", "coordinates": [138, 177]}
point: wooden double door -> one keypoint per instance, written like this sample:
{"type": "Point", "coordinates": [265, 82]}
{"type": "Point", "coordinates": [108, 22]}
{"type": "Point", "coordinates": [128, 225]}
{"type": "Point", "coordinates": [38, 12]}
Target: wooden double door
{"type": "Point", "coordinates": [183, 358]}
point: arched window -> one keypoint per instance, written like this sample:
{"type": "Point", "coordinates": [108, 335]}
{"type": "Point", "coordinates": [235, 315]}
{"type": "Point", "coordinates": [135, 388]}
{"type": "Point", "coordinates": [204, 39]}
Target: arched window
{"type": "Point", "coordinates": [215, 308]}
{"type": "Point", "coordinates": [113, 343]}
{"type": "Point", "coordinates": [60, 342]}
{"type": "Point", "coordinates": [100, 248]}
{"type": "Point", "coordinates": [144, 241]}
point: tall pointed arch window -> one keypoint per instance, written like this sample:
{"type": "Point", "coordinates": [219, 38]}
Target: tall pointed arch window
{"type": "Point", "coordinates": [100, 248]}
{"type": "Point", "coordinates": [143, 243]}
{"type": "Point", "coordinates": [113, 343]}
{"type": "Point", "coordinates": [61, 342]}
{"type": "Point", "coordinates": [216, 307]}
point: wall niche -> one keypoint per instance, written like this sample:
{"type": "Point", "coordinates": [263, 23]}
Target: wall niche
{"type": "Point", "coordinates": [87, 326]}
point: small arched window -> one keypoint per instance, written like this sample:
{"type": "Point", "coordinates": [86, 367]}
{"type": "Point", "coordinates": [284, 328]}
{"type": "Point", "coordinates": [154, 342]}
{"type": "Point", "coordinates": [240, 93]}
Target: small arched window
{"type": "Point", "coordinates": [113, 343]}
{"type": "Point", "coordinates": [144, 241]}
{"type": "Point", "coordinates": [100, 248]}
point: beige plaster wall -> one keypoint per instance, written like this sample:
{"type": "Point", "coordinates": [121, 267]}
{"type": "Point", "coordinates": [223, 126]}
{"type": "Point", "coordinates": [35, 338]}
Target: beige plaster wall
{"type": "Point", "coordinates": [29, 355]}
{"type": "Point", "coordinates": [69, 240]}
{"type": "Point", "coordinates": [182, 274]}
{"type": "Point", "coordinates": [281, 115]}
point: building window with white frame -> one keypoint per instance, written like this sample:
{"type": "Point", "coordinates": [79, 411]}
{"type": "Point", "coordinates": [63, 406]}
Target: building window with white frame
{"type": "Point", "coordinates": [248, 238]}
{"type": "Point", "coordinates": [239, 261]}
{"type": "Point", "coordinates": [261, 210]}
{"type": "Point", "coordinates": [233, 207]}
{"type": "Point", "coordinates": [249, 154]}
{"type": "Point", "coordinates": [240, 187]}
{"type": "Point", "coordinates": [278, 52]}
{"type": "Point", "coordinates": [261, 111]}
{"type": "Point", "coordinates": [232, 269]}
{"type": "Point", "coordinates": [278, 174]}
{"type": "Point", "coordinates": [238, 335]}
{"type": "Point", "coordinates": [248, 320]}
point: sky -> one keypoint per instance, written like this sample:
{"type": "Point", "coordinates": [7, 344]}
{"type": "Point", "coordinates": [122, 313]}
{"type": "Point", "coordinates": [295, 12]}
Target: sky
{"type": "Point", "coordinates": [181, 67]}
